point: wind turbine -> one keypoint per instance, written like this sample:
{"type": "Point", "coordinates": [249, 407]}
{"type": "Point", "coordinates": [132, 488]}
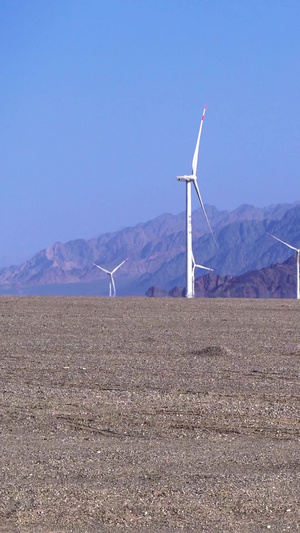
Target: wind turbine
{"type": "Point", "coordinates": [197, 266]}
{"type": "Point", "coordinates": [112, 287]}
{"type": "Point", "coordinates": [297, 250]}
{"type": "Point", "coordinates": [189, 179]}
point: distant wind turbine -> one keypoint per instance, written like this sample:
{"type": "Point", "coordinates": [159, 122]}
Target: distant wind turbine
{"type": "Point", "coordinates": [297, 250]}
{"type": "Point", "coordinates": [189, 179]}
{"type": "Point", "coordinates": [112, 286]}
{"type": "Point", "coordinates": [197, 266]}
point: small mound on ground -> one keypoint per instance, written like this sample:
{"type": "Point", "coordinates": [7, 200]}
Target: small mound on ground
{"type": "Point", "coordinates": [295, 353]}
{"type": "Point", "coordinates": [212, 351]}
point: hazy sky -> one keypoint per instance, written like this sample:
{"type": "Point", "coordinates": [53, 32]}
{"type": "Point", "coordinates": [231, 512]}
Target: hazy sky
{"type": "Point", "coordinates": [101, 102]}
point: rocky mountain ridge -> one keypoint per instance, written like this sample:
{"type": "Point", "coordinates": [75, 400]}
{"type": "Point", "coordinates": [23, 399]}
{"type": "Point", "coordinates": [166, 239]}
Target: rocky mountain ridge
{"type": "Point", "coordinates": [276, 281]}
{"type": "Point", "coordinates": [156, 252]}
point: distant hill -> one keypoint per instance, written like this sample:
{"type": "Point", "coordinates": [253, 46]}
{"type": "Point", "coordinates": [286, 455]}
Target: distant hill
{"type": "Point", "coordinates": [243, 246]}
{"type": "Point", "coordinates": [277, 281]}
{"type": "Point", "coordinates": [156, 252]}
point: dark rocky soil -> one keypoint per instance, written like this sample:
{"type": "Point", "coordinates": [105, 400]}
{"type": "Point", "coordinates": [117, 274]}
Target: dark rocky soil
{"type": "Point", "coordinates": [149, 415]}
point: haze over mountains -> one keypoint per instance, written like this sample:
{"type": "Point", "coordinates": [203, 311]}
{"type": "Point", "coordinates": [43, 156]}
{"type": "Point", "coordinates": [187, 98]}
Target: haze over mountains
{"type": "Point", "coordinates": [156, 252]}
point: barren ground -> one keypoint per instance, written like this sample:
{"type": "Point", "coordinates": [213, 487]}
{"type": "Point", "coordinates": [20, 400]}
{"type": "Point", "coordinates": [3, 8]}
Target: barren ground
{"type": "Point", "coordinates": [149, 415]}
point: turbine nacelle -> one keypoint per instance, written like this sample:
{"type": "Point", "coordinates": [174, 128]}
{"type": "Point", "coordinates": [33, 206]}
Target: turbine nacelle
{"type": "Point", "coordinates": [187, 178]}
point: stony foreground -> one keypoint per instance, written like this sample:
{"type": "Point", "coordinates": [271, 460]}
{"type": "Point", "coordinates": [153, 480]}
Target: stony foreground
{"type": "Point", "coordinates": [150, 415]}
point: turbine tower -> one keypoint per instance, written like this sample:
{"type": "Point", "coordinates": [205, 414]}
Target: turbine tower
{"type": "Point", "coordinates": [112, 286]}
{"type": "Point", "coordinates": [297, 250]}
{"type": "Point", "coordinates": [189, 179]}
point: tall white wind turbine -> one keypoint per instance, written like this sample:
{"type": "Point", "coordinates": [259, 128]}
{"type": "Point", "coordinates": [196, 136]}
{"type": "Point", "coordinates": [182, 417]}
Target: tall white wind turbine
{"type": "Point", "coordinates": [189, 179]}
{"type": "Point", "coordinates": [297, 250]}
{"type": "Point", "coordinates": [112, 286]}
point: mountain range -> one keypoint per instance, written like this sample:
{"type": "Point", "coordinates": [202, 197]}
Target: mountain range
{"type": "Point", "coordinates": [156, 254]}
{"type": "Point", "coordinates": [276, 281]}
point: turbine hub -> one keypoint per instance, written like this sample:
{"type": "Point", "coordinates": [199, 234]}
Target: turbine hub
{"type": "Point", "coordinates": [186, 178]}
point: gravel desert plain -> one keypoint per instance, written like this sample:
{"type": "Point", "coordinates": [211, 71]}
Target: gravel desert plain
{"type": "Point", "coordinates": [144, 414]}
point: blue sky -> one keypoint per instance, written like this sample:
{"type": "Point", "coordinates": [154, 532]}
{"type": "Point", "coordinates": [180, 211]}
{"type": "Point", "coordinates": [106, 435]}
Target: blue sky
{"type": "Point", "coordinates": [101, 102]}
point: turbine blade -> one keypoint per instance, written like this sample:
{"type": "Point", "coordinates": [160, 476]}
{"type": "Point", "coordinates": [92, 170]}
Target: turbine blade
{"type": "Point", "coordinates": [283, 242]}
{"type": "Point", "coordinates": [101, 268]}
{"type": "Point", "coordinates": [199, 266]}
{"type": "Point", "coordinates": [205, 214]}
{"type": "Point", "coordinates": [196, 153]}
{"type": "Point", "coordinates": [119, 265]}
{"type": "Point", "coordinates": [206, 268]}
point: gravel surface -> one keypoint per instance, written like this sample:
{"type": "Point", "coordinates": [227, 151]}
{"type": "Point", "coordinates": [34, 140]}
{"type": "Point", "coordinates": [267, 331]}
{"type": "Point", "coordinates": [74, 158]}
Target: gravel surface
{"type": "Point", "coordinates": [159, 415]}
